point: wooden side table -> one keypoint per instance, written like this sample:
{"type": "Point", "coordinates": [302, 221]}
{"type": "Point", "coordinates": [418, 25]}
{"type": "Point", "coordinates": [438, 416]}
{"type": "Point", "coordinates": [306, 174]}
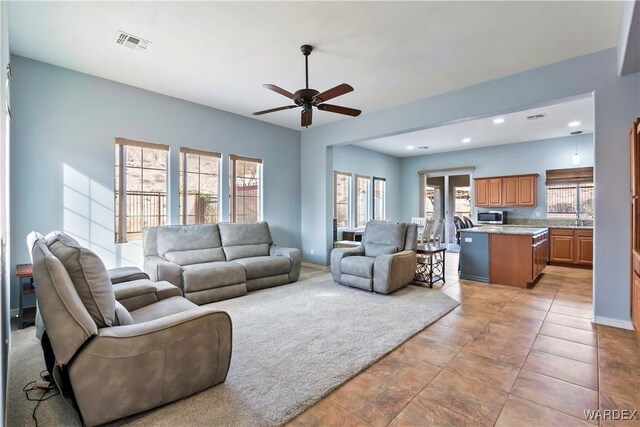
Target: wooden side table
{"type": "Point", "coordinates": [26, 313]}
{"type": "Point", "coordinates": [430, 267]}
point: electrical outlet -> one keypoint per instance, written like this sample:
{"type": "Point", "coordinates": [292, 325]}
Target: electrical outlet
{"type": "Point", "coordinates": [312, 251]}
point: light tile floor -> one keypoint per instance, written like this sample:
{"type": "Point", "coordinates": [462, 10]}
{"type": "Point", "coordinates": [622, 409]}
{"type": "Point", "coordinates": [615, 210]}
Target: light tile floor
{"type": "Point", "coordinates": [504, 357]}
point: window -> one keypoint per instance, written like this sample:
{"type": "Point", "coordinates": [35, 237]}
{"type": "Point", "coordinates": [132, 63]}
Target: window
{"type": "Point", "coordinates": [199, 186]}
{"type": "Point", "coordinates": [342, 198]}
{"type": "Point", "coordinates": [379, 199]}
{"type": "Point", "coordinates": [245, 191]}
{"type": "Point", "coordinates": [570, 193]}
{"type": "Point", "coordinates": [362, 200]}
{"type": "Point", "coordinates": [140, 187]}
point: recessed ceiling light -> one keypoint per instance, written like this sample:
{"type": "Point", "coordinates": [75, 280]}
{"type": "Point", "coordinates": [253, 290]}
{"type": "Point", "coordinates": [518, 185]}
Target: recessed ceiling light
{"type": "Point", "coordinates": [574, 124]}
{"type": "Point", "coordinates": [466, 140]}
{"type": "Point", "coordinates": [410, 147]}
{"type": "Point", "coordinates": [498, 121]}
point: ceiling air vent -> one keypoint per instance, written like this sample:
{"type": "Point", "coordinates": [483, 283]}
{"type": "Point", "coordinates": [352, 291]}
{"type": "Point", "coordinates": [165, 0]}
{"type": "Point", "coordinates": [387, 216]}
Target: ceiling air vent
{"type": "Point", "coordinates": [424, 147]}
{"type": "Point", "coordinates": [537, 117]}
{"type": "Point", "coordinates": [576, 132]}
{"type": "Point", "coordinates": [132, 42]}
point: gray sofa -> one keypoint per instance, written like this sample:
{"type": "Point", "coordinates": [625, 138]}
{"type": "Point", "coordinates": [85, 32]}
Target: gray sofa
{"type": "Point", "coordinates": [110, 361]}
{"type": "Point", "coordinates": [213, 262]}
{"type": "Point", "coordinates": [384, 263]}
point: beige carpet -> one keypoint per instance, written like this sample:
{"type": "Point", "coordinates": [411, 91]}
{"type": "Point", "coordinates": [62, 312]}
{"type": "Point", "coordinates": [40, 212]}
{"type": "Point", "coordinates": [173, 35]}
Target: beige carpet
{"type": "Point", "coordinates": [292, 345]}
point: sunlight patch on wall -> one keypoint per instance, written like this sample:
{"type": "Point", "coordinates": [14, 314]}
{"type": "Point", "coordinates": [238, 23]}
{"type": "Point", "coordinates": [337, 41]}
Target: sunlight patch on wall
{"type": "Point", "coordinates": [89, 218]}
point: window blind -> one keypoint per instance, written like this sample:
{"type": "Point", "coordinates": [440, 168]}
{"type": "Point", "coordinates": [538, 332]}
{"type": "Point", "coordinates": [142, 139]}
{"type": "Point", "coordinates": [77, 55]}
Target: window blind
{"type": "Point", "coordinates": [186, 150]}
{"type": "Point", "coordinates": [569, 176]}
{"type": "Point", "coordinates": [142, 144]}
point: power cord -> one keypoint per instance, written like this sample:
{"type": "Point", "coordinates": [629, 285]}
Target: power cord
{"type": "Point", "coordinates": [46, 385]}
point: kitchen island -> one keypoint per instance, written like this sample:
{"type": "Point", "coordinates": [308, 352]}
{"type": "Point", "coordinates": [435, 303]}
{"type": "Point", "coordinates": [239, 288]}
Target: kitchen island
{"type": "Point", "coordinates": [511, 256]}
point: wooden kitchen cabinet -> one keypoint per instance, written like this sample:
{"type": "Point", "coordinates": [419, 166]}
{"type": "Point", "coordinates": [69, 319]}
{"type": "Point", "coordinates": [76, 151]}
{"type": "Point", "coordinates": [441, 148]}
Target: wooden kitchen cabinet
{"type": "Point", "coordinates": [634, 139]}
{"type": "Point", "coordinates": [517, 260]}
{"type": "Point", "coordinates": [527, 190]}
{"type": "Point", "coordinates": [513, 190]}
{"type": "Point", "coordinates": [571, 246]}
{"type": "Point", "coordinates": [510, 191]}
{"type": "Point", "coordinates": [495, 192]}
{"type": "Point", "coordinates": [635, 301]}
{"type": "Point", "coordinates": [482, 192]}
{"type": "Point", "coordinates": [584, 247]}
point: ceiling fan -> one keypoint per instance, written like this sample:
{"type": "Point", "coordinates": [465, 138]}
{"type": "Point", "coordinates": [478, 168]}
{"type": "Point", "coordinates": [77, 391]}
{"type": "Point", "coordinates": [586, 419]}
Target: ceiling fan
{"type": "Point", "coordinates": [309, 98]}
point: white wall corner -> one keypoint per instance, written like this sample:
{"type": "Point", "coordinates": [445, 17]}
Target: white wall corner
{"type": "Point", "coordinates": [615, 323]}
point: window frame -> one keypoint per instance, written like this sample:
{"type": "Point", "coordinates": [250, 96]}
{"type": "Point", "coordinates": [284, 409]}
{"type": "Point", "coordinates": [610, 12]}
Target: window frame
{"type": "Point", "coordinates": [349, 193]}
{"type": "Point", "coordinates": [578, 177]}
{"type": "Point", "coordinates": [121, 231]}
{"type": "Point", "coordinates": [383, 203]}
{"type": "Point", "coordinates": [184, 173]}
{"type": "Point", "coordinates": [367, 200]}
{"type": "Point", "coordinates": [578, 185]}
{"type": "Point", "coordinates": [233, 159]}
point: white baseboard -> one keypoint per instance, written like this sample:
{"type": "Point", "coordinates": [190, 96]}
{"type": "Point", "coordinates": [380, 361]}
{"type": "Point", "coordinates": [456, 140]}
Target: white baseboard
{"type": "Point", "coordinates": [616, 323]}
{"type": "Point", "coordinates": [315, 266]}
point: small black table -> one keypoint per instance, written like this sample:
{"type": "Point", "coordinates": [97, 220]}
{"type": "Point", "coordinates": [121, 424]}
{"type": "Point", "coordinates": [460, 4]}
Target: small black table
{"type": "Point", "coordinates": [26, 312]}
{"type": "Point", "coordinates": [430, 267]}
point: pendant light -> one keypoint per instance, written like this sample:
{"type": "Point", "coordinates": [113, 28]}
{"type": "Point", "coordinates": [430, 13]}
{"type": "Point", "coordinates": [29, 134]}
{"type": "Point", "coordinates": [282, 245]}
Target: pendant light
{"type": "Point", "coordinates": [576, 157]}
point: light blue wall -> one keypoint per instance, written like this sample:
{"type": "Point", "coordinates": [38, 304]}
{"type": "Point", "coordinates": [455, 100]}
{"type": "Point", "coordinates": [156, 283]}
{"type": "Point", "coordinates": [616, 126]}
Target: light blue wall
{"type": "Point", "coordinates": [6, 272]}
{"type": "Point", "coordinates": [62, 158]}
{"type": "Point", "coordinates": [361, 161]}
{"type": "Point", "coordinates": [510, 159]}
{"type": "Point", "coordinates": [617, 103]}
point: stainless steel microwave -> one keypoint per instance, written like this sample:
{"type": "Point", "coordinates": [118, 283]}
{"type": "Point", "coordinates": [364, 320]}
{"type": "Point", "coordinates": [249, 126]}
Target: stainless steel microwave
{"type": "Point", "coordinates": [492, 217]}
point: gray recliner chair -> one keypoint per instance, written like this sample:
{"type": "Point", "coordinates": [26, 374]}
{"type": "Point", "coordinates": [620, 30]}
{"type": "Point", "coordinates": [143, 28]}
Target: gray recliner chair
{"type": "Point", "coordinates": [384, 263]}
{"type": "Point", "coordinates": [111, 363]}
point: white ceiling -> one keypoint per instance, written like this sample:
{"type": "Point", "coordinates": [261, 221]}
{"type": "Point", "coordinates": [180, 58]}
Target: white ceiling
{"type": "Point", "coordinates": [220, 53]}
{"type": "Point", "coordinates": [484, 133]}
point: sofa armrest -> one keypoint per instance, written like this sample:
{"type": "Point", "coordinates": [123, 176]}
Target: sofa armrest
{"type": "Point", "coordinates": [128, 369]}
{"type": "Point", "coordinates": [140, 293]}
{"type": "Point", "coordinates": [336, 259]}
{"type": "Point", "coordinates": [394, 271]}
{"type": "Point", "coordinates": [160, 269]}
{"type": "Point", "coordinates": [294, 256]}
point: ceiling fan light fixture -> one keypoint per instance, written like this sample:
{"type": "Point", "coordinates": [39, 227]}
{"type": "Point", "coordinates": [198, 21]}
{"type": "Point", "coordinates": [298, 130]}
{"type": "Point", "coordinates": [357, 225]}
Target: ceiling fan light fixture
{"type": "Point", "coordinates": [308, 98]}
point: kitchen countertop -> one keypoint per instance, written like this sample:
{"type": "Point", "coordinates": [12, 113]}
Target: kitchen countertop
{"type": "Point", "coordinates": [579, 227]}
{"type": "Point", "coordinates": [527, 231]}
{"type": "Point", "coordinates": [573, 227]}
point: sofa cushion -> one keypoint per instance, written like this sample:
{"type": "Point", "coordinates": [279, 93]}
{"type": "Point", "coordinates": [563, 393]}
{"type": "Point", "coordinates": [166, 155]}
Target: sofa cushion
{"type": "Point", "coordinates": [126, 274]}
{"type": "Point", "coordinates": [160, 309]}
{"type": "Point", "coordinates": [244, 240]}
{"type": "Point", "coordinates": [385, 234]}
{"type": "Point", "coordinates": [89, 277]}
{"type": "Point", "coordinates": [375, 249]}
{"type": "Point", "coordinates": [265, 266]}
{"type": "Point", "coordinates": [195, 256]}
{"type": "Point", "coordinates": [198, 277]}
{"type": "Point", "coordinates": [175, 238]}
{"type": "Point", "coordinates": [361, 266]}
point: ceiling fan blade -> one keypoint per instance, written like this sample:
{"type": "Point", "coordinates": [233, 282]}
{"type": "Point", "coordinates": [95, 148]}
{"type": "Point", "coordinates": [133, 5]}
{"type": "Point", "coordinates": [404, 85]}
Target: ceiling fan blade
{"type": "Point", "coordinates": [288, 107]}
{"type": "Point", "coordinates": [280, 91]}
{"type": "Point", "coordinates": [340, 110]}
{"type": "Point", "coordinates": [306, 117]}
{"type": "Point", "coordinates": [332, 93]}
